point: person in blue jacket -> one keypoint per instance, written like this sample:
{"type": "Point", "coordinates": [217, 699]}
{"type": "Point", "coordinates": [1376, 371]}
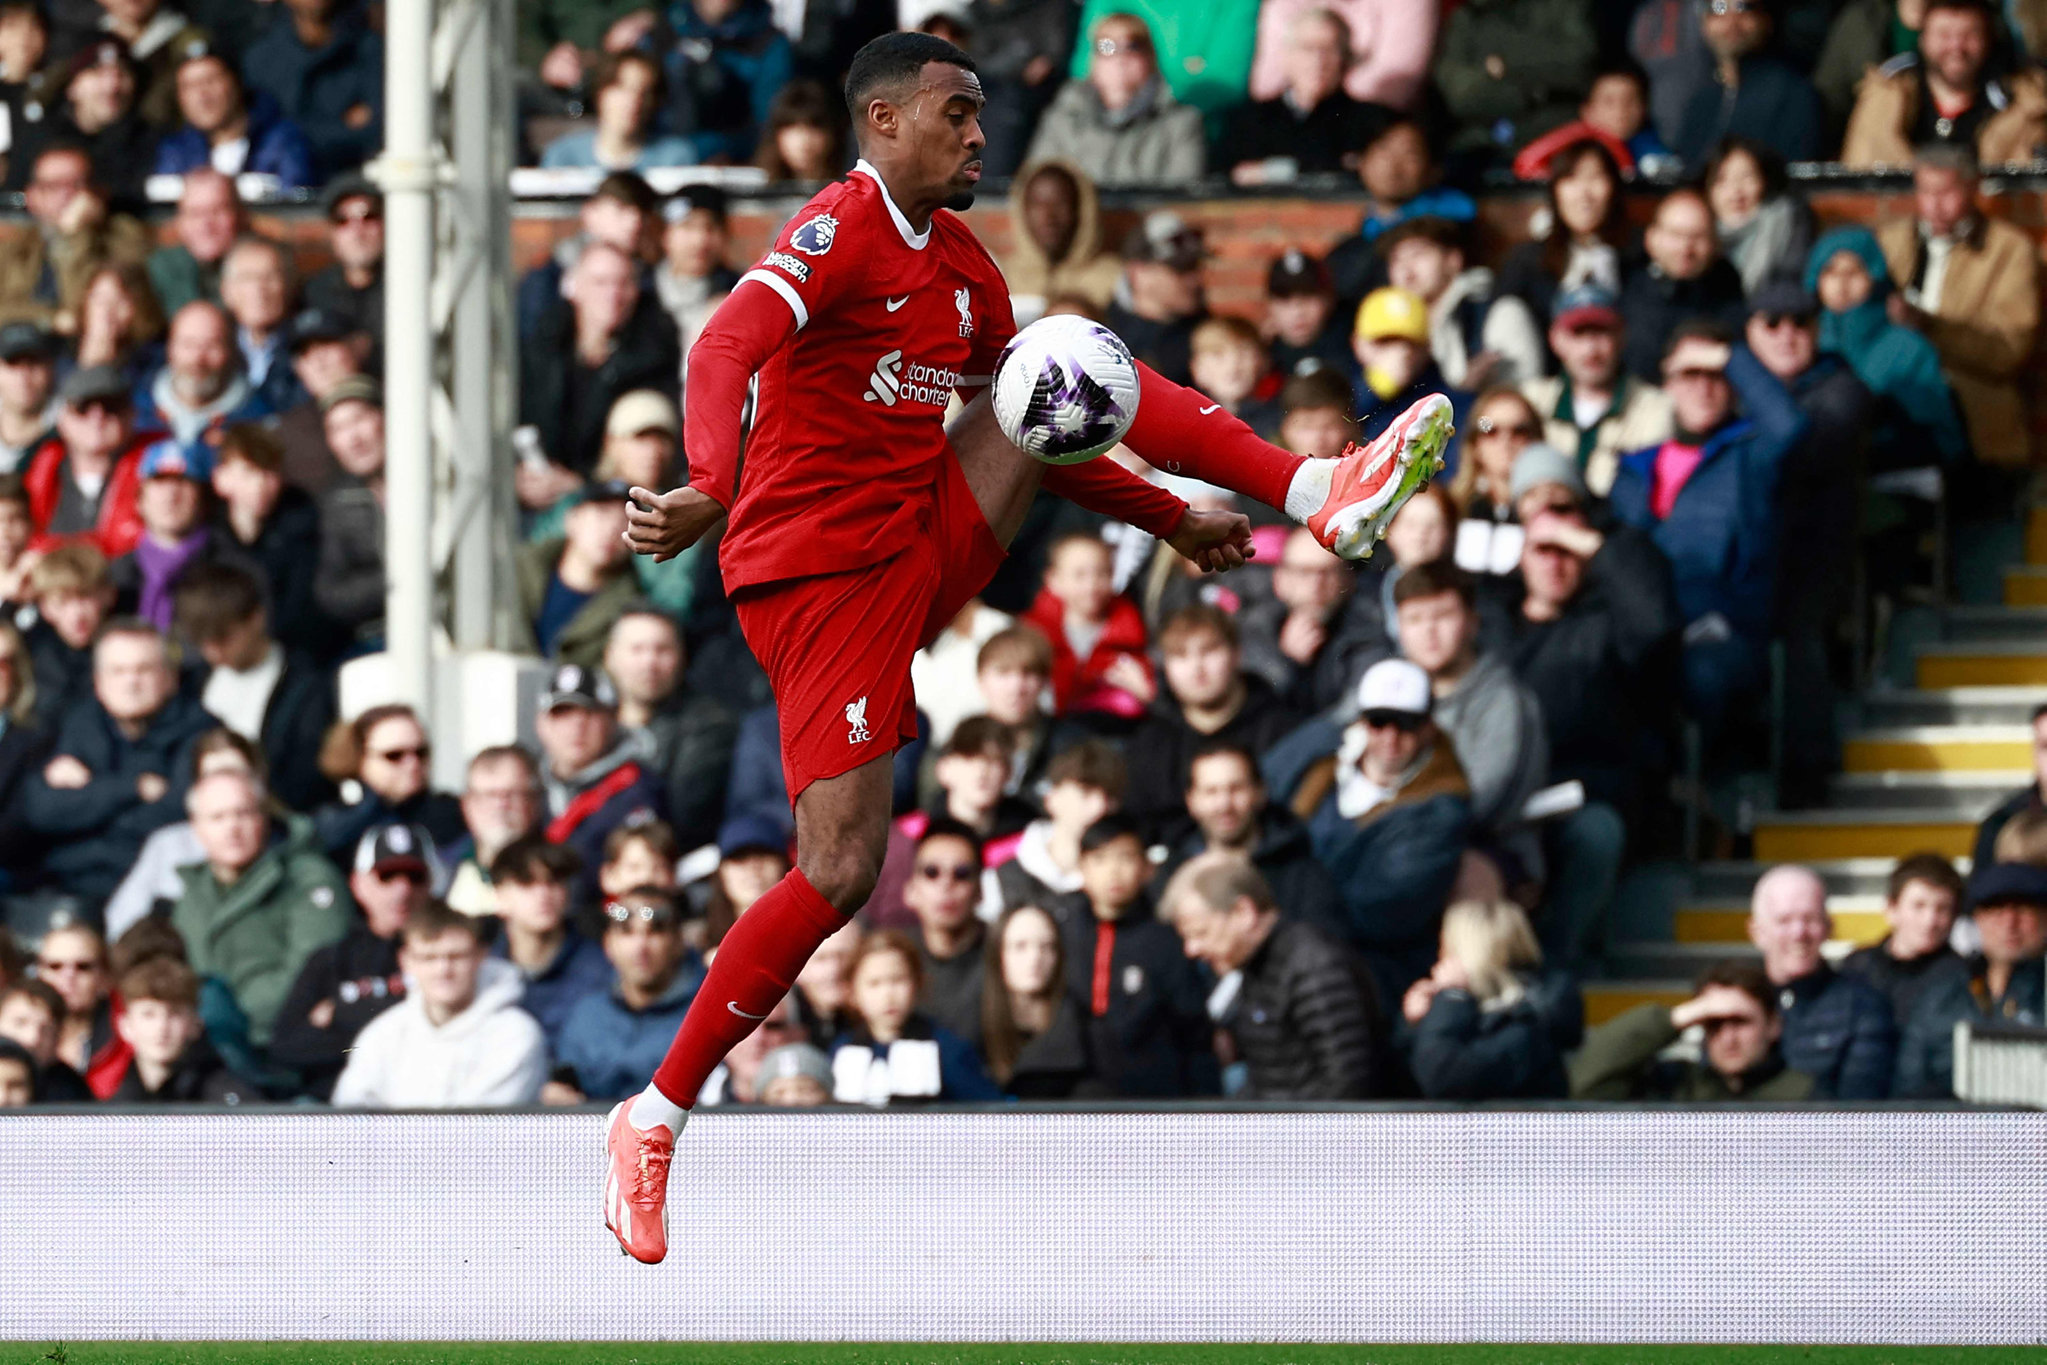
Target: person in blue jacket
{"type": "Point", "coordinates": [894, 1053]}
{"type": "Point", "coordinates": [324, 65]}
{"type": "Point", "coordinates": [223, 121]}
{"type": "Point", "coordinates": [1708, 498]}
{"type": "Point", "coordinates": [725, 66]}
{"type": "Point", "coordinates": [613, 1039]}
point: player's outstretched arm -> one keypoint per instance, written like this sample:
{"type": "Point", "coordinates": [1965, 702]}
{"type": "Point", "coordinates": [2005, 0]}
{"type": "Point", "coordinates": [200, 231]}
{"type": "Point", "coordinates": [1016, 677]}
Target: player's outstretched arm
{"type": "Point", "coordinates": [1216, 541]}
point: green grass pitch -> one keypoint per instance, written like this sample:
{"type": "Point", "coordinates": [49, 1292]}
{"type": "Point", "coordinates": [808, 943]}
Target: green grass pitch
{"type": "Point", "coordinates": [755, 1353]}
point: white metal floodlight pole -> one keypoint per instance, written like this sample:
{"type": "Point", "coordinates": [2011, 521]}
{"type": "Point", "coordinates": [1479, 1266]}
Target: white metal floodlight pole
{"type": "Point", "coordinates": [408, 173]}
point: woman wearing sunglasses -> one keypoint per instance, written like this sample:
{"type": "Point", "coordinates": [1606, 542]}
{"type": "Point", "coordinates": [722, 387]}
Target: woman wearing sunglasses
{"type": "Point", "coordinates": [383, 762]}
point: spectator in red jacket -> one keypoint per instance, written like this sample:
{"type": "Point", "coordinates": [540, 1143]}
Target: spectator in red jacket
{"type": "Point", "coordinates": [82, 481]}
{"type": "Point", "coordinates": [1099, 667]}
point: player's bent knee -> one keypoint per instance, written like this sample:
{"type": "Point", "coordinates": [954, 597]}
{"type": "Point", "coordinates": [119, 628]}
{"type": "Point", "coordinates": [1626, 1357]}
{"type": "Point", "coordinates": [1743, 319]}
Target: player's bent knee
{"type": "Point", "coordinates": [845, 877]}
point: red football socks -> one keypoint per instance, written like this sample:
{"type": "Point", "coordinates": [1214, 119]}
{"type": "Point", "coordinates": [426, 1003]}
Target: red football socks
{"type": "Point", "coordinates": [1182, 432]}
{"type": "Point", "coordinates": [756, 964]}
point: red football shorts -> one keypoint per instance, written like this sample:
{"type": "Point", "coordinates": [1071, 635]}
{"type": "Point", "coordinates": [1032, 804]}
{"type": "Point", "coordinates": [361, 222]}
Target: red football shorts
{"type": "Point", "coordinates": [837, 646]}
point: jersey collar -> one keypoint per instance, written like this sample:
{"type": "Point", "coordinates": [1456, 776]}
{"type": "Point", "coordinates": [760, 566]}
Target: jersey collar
{"type": "Point", "coordinates": [916, 241]}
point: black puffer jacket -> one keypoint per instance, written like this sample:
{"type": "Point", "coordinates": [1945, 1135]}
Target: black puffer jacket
{"type": "Point", "coordinates": [1306, 1023]}
{"type": "Point", "coordinates": [1461, 1052]}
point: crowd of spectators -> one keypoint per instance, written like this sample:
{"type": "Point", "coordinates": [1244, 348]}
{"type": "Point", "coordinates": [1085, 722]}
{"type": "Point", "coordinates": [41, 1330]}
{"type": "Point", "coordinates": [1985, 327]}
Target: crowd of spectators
{"type": "Point", "coordinates": [1310, 831]}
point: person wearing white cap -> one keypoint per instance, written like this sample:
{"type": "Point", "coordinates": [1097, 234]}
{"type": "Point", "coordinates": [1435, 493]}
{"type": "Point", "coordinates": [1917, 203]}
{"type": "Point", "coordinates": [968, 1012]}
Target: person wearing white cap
{"type": "Point", "coordinates": [1389, 814]}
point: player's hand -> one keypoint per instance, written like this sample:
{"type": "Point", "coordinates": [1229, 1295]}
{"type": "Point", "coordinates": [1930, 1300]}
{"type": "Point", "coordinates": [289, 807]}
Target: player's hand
{"type": "Point", "coordinates": [665, 524]}
{"type": "Point", "coordinates": [1714, 1002]}
{"type": "Point", "coordinates": [1216, 541]}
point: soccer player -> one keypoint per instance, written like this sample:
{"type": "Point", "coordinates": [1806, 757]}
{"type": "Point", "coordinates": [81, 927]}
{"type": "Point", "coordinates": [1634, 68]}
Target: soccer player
{"type": "Point", "coordinates": [862, 526]}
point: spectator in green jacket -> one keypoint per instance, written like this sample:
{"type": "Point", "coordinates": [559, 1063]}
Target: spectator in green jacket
{"type": "Point", "coordinates": [1736, 1005]}
{"type": "Point", "coordinates": [256, 909]}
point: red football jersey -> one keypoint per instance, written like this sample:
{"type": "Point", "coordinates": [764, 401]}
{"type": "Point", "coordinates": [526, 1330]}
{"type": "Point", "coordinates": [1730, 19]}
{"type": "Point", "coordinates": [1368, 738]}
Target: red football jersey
{"type": "Point", "coordinates": [851, 415]}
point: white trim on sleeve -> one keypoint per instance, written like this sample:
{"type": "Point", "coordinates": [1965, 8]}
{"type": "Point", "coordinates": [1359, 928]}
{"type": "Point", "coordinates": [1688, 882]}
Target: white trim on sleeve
{"type": "Point", "coordinates": [785, 289]}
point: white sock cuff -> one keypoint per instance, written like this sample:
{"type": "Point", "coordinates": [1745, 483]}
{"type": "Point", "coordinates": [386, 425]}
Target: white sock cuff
{"type": "Point", "coordinates": [1309, 488]}
{"type": "Point", "coordinates": [652, 1109]}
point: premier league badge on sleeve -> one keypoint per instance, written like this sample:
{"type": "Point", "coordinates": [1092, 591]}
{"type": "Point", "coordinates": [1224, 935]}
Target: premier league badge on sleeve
{"type": "Point", "coordinates": [814, 238]}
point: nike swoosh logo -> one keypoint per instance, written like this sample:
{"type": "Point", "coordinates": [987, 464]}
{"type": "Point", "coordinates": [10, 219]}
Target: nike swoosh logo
{"type": "Point", "coordinates": [894, 304]}
{"type": "Point", "coordinates": [1210, 408]}
{"type": "Point", "coordinates": [734, 1007]}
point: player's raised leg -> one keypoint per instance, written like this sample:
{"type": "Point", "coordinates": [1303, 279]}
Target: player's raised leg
{"type": "Point", "coordinates": [1347, 501]}
{"type": "Point", "coordinates": [841, 835]}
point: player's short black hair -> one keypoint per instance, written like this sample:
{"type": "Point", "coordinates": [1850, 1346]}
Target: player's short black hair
{"type": "Point", "coordinates": [892, 60]}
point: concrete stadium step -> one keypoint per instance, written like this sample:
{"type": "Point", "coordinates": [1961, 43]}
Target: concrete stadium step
{"type": "Point", "coordinates": [1940, 749]}
{"type": "Point", "coordinates": [2015, 620]}
{"type": "Point", "coordinates": [1988, 664]}
{"type": "Point", "coordinates": [1605, 999]}
{"type": "Point", "coordinates": [1858, 919]}
{"type": "Point", "coordinates": [1978, 707]}
{"type": "Point", "coordinates": [1857, 879]}
{"type": "Point", "coordinates": [2025, 585]}
{"type": "Point", "coordinates": [1889, 834]}
{"type": "Point", "coordinates": [1967, 794]}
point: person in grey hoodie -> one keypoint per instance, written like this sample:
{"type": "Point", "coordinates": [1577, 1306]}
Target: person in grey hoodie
{"type": "Point", "coordinates": [1494, 723]}
{"type": "Point", "coordinates": [1120, 124]}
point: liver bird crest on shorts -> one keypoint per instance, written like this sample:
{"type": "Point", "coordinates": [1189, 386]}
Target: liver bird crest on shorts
{"type": "Point", "coordinates": [856, 719]}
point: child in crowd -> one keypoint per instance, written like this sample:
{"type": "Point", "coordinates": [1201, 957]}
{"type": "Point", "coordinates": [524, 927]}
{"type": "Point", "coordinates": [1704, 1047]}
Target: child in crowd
{"type": "Point", "coordinates": [171, 499]}
{"type": "Point", "coordinates": [642, 853]}
{"type": "Point", "coordinates": [32, 1017]}
{"type": "Point", "coordinates": [1148, 1024]}
{"type": "Point", "coordinates": [894, 1053]}
{"type": "Point", "coordinates": [1083, 784]}
{"type": "Point", "coordinates": [173, 1062]}
{"type": "Point", "coordinates": [1100, 672]}
{"type": "Point", "coordinates": [74, 595]}
{"type": "Point", "coordinates": [1316, 410]}
{"type": "Point", "coordinates": [1229, 364]}
{"type": "Point", "coordinates": [1013, 674]}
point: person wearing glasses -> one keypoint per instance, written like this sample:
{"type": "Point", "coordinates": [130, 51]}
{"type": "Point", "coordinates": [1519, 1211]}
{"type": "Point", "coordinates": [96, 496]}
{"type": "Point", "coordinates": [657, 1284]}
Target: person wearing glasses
{"type": "Point", "coordinates": [347, 983]}
{"type": "Point", "coordinates": [1120, 124]}
{"type": "Point", "coordinates": [353, 286]}
{"type": "Point", "coordinates": [1679, 276]}
{"type": "Point", "coordinates": [943, 893]}
{"type": "Point", "coordinates": [1708, 498]}
{"type": "Point", "coordinates": [1389, 814]}
{"type": "Point", "coordinates": [383, 762]}
{"type": "Point", "coordinates": [46, 262]}
{"type": "Point", "coordinates": [459, 1039]}
{"type": "Point", "coordinates": [613, 1039]}
{"type": "Point", "coordinates": [1753, 93]}
{"type": "Point", "coordinates": [258, 908]}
